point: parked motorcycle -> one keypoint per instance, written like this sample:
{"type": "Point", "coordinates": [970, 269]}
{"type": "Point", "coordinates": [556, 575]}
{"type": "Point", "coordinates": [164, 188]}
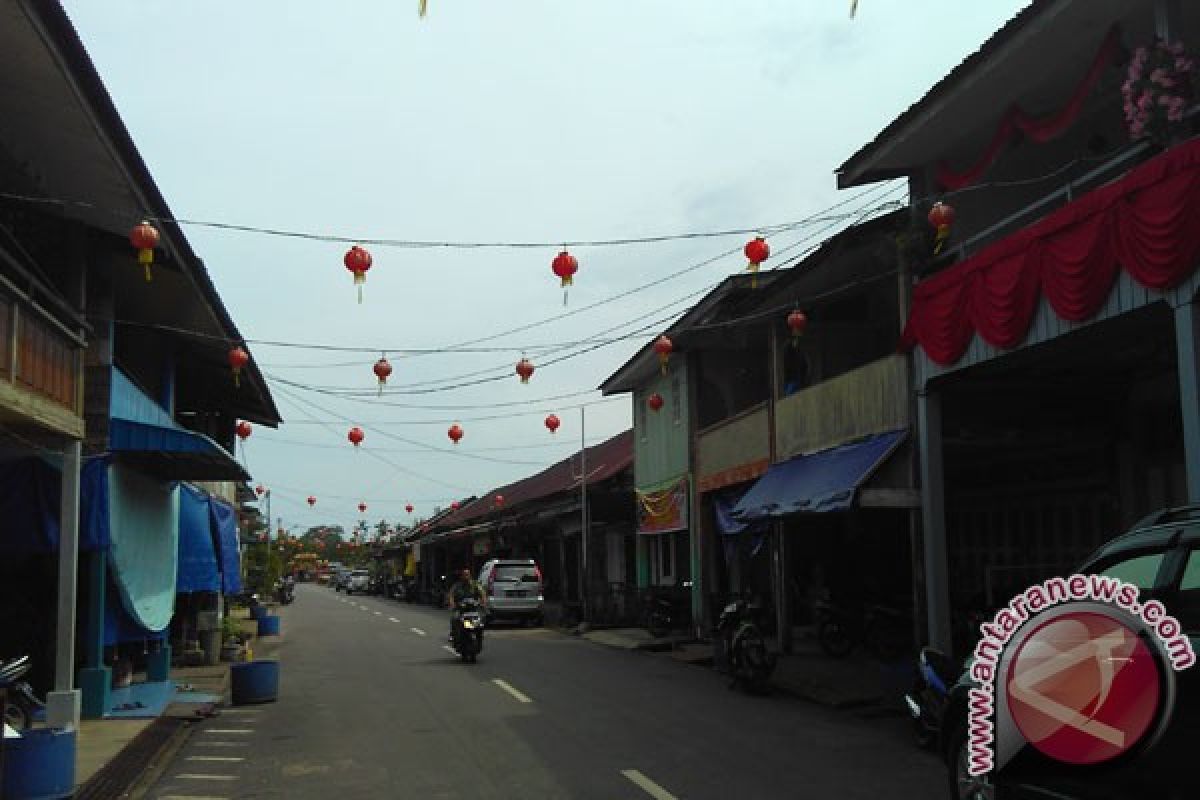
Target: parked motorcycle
{"type": "Point", "coordinates": [285, 590]}
{"type": "Point", "coordinates": [659, 617]}
{"type": "Point", "coordinates": [747, 659]}
{"type": "Point", "coordinates": [885, 631]}
{"type": "Point", "coordinates": [926, 702]}
{"type": "Point", "coordinates": [21, 706]}
{"type": "Point", "coordinates": [468, 630]}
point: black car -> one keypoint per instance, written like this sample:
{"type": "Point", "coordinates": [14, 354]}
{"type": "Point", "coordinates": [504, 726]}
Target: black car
{"type": "Point", "coordinates": [1161, 556]}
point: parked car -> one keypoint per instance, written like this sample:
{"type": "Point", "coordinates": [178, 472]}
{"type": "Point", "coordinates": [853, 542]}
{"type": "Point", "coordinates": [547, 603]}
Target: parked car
{"type": "Point", "coordinates": [339, 579]}
{"type": "Point", "coordinates": [358, 580]}
{"type": "Point", "coordinates": [1161, 556]}
{"type": "Point", "coordinates": [514, 590]}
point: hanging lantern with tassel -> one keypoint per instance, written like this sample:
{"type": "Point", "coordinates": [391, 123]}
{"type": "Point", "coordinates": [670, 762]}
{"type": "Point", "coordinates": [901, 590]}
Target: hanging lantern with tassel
{"type": "Point", "coordinates": [552, 423]}
{"type": "Point", "coordinates": [797, 322]}
{"type": "Point", "coordinates": [655, 401]}
{"type": "Point", "coordinates": [362, 508]}
{"type": "Point", "coordinates": [356, 436]}
{"type": "Point", "coordinates": [525, 369]}
{"type": "Point", "coordinates": [238, 359]}
{"type": "Point", "coordinates": [941, 217]}
{"type": "Point", "coordinates": [455, 432]}
{"type": "Point", "coordinates": [565, 266]}
{"type": "Point", "coordinates": [663, 347]}
{"type": "Point", "coordinates": [757, 251]}
{"type": "Point", "coordinates": [312, 501]}
{"type": "Point", "coordinates": [382, 369]}
{"type": "Point", "coordinates": [409, 508]}
{"type": "Point", "coordinates": [243, 430]}
{"type": "Point", "coordinates": [358, 261]}
{"type": "Point", "coordinates": [144, 237]}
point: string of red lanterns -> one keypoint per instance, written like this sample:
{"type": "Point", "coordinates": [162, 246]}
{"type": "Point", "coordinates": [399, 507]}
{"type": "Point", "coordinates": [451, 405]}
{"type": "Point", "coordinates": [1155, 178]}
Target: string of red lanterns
{"type": "Point", "coordinates": [144, 237]}
{"type": "Point", "coordinates": [358, 261]}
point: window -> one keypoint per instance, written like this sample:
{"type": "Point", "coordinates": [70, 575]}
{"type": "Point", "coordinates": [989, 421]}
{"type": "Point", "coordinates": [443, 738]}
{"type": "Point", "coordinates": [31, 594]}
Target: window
{"type": "Point", "coordinates": [1139, 570]}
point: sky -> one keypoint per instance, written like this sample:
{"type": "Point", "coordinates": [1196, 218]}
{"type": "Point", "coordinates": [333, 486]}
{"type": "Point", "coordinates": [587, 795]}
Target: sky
{"type": "Point", "coordinates": [501, 121]}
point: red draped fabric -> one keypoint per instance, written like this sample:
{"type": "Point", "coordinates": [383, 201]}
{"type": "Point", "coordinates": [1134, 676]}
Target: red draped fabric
{"type": "Point", "coordinates": [1147, 223]}
{"type": "Point", "coordinates": [1039, 129]}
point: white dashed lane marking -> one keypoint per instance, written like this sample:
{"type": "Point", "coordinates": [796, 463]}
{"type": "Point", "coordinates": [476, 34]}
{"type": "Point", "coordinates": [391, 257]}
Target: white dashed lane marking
{"type": "Point", "coordinates": [417, 631]}
{"type": "Point", "coordinates": [646, 785]}
{"type": "Point", "coordinates": [216, 758]}
{"type": "Point", "coordinates": [506, 686]}
{"type": "Point", "coordinates": [199, 776]}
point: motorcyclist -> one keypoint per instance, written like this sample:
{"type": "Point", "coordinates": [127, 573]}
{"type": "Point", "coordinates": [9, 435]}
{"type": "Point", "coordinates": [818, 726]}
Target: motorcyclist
{"type": "Point", "coordinates": [463, 588]}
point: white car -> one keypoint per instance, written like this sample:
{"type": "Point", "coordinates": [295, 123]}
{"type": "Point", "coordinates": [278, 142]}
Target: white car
{"type": "Point", "coordinates": [359, 580]}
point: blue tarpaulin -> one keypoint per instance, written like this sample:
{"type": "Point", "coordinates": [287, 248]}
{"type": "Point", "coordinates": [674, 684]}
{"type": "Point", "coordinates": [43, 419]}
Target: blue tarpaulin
{"type": "Point", "coordinates": [818, 482]}
{"type": "Point", "coordinates": [225, 538]}
{"type": "Point", "coordinates": [30, 489]}
{"type": "Point", "coordinates": [198, 570]}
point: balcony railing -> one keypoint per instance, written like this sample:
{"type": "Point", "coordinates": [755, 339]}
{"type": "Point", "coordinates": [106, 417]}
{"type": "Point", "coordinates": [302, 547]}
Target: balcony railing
{"type": "Point", "coordinates": [38, 354]}
{"type": "Point", "coordinates": [871, 399]}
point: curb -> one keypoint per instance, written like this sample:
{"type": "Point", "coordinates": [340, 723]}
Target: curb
{"type": "Point", "coordinates": [159, 762]}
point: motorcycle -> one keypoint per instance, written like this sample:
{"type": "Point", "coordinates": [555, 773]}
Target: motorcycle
{"type": "Point", "coordinates": [747, 659]}
{"type": "Point", "coordinates": [885, 631]}
{"type": "Point", "coordinates": [926, 702]}
{"type": "Point", "coordinates": [659, 617]}
{"type": "Point", "coordinates": [468, 630]}
{"type": "Point", "coordinates": [285, 590]}
{"type": "Point", "coordinates": [21, 706]}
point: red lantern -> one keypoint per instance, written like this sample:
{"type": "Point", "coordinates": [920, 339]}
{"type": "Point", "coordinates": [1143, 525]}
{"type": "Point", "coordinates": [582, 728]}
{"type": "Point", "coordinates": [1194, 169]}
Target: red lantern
{"type": "Point", "coordinates": [941, 217]}
{"type": "Point", "coordinates": [454, 506]}
{"type": "Point", "coordinates": [757, 251]}
{"type": "Point", "coordinates": [655, 401]}
{"type": "Point", "coordinates": [525, 369]}
{"type": "Point", "coordinates": [565, 266]}
{"type": "Point", "coordinates": [552, 422]}
{"type": "Point", "coordinates": [382, 370]}
{"type": "Point", "coordinates": [358, 261]}
{"type": "Point", "coordinates": [258, 490]}
{"type": "Point", "coordinates": [312, 501]}
{"type": "Point", "coordinates": [797, 322]}
{"type": "Point", "coordinates": [362, 507]}
{"type": "Point", "coordinates": [144, 237]}
{"type": "Point", "coordinates": [664, 347]}
{"type": "Point", "coordinates": [455, 433]}
{"type": "Point", "coordinates": [244, 430]}
{"type": "Point", "coordinates": [409, 508]}
{"type": "Point", "coordinates": [499, 500]}
{"type": "Point", "coordinates": [238, 359]}
{"type": "Point", "coordinates": [356, 436]}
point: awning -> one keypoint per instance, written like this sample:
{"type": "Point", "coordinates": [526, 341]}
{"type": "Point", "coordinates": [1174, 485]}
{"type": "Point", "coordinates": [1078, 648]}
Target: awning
{"type": "Point", "coordinates": [225, 541]}
{"type": "Point", "coordinates": [198, 570]}
{"type": "Point", "coordinates": [173, 453]}
{"type": "Point", "coordinates": [818, 482]}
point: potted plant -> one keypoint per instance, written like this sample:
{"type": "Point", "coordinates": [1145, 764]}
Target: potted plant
{"type": "Point", "coordinates": [231, 639]}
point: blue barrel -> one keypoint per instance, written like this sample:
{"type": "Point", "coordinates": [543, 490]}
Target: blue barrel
{"type": "Point", "coordinates": [268, 626]}
{"type": "Point", "coordinates": [254, 682]}
{"type": "Point", "coordinates": [40, 765]}
{"type": "Point", "coordinates": [258, 612]}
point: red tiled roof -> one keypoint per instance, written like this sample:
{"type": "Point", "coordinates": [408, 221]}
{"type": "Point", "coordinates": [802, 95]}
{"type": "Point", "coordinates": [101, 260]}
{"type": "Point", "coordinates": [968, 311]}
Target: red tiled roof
{"type": "Point", "coordinates": [604, 460]}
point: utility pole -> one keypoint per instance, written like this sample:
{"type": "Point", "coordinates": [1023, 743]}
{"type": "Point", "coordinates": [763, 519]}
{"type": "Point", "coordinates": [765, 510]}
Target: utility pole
{"type": "Point", "coordinates": [583, 506]}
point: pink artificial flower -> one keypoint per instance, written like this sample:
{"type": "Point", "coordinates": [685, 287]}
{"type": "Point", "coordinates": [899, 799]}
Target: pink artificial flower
{"type": "Point", "coordinates": [1145, 101]}
{"type": "Point", "coordinates": [1158, 75]}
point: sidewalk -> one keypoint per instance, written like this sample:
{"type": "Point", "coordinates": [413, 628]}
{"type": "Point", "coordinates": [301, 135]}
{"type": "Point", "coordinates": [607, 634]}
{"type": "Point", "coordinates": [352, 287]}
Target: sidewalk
{"type": "Point", "coordinates": [806, 672]}
{"type": "Point", "coordinates": [114, 752]}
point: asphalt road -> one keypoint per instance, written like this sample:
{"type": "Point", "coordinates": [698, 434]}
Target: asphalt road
{"type": "Point", "coordinates": [373, 705]}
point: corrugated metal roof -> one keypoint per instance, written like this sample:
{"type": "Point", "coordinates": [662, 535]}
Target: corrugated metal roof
{"type": "Point", "coordinates": [943, 87]}
{"type": "Point", "coordinates": [604, 461]}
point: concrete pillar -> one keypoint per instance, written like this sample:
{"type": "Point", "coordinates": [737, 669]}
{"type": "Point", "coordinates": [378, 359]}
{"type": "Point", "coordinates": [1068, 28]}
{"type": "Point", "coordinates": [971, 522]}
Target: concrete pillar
{"type": "Point", "coordinates": [62, 704]}
{"type": "Point", "coordinates": [933, 518]}
{"type": "Point", "coordinates": [95, 679]}
{"type": "Point", "coordinates": [1188, 355]}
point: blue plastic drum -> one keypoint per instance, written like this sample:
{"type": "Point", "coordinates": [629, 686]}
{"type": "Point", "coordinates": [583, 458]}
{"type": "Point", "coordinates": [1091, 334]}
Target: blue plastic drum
{"type": "Point", "coordinates": [268, 626]}
{"type": "Point", "coordinates": [254, 682]}
{"type": "Point", "coordinates": [40, 765]}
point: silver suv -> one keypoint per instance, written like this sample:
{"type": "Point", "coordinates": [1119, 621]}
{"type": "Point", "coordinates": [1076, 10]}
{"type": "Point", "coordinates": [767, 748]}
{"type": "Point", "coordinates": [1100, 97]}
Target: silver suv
{"type": "Point", "coordinates": [358, 580]}
{"type": "Point", "coordinates": [514, 589]}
